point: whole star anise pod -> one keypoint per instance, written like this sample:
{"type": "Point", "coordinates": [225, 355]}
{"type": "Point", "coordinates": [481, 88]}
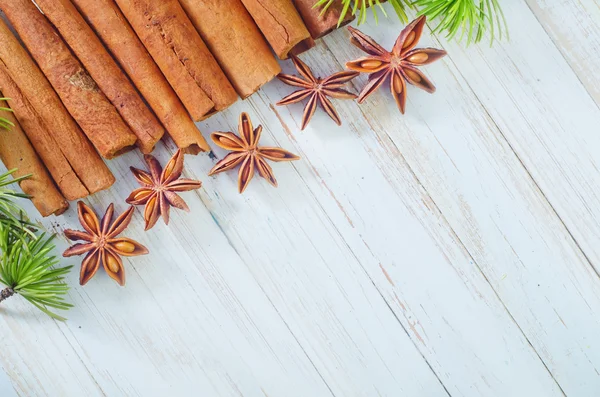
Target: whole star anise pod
{"type": "Point", "coordinates": [247, 152]}
{"type": "Point", "coordinates": [316, 90]}
{"type": "Point", "coordinates": [159, 187]}
{"type": "Point", "coordinates": [397, 66]}
{"type": "Point", "coordinates": [101, 243]}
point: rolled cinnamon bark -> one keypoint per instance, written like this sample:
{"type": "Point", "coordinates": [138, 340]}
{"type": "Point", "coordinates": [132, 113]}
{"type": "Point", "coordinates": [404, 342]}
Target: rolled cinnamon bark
{"type": "Point", "coordinates": [96, 116]}
{"type": "Point", "coordinates": [281, 24]}
{"type": "Point", "coordinates": [41, 138]}
{"type": "Point", "coordinates": [17, 153]}
{"type": "Point", "coordinates": [72, 161]}
{"type": "Point", "coordinates": [303, 46]}
{"type": "Point", "coordinates": [103, 69]}
{"type": "Point", "coordinates": [232, 36]}
{"type": "Point", "coordinates": [126, 48]}
{"type": "Point", "coordinates": [320, 25]}
{"type": "Point", "coordinates": [181, 55]}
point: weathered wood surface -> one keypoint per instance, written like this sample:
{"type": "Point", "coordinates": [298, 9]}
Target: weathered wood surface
{"type": "Point", "coordinates": [451, 251]}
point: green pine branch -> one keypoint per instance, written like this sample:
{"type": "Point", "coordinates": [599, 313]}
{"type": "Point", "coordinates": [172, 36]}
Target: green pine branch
{"type": "Point", "coordinates": [462, 19]}
{"type": "Point", "coordinates": [465, 19]}
{"type": "Point", "coordinates": [27, 265]}
{"type": "Point", "coordinates": [5, 123]}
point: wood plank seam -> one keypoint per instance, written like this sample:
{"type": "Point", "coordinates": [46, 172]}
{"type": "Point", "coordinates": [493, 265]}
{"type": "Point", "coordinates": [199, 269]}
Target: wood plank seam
{"type": "Point", "coordinates": [366, 117]}
{"type": "Point", "coordinates": [197, 193]}
{"type": "Point", "coordinates": [370, 278]}
{"type": "Point", "coordinates": [538, 187]}
{"type": "Point", "coordinates": [587, 89]}
{"type": "Point", "coordinates": [560, 49]}
{"type": "Point", "coordinates": [463, 246]}
{"type": "Point", "coordinates": [76, 352]}
{"type": "Point", "coordinates": [200, 196]}
{"type": "Point", "coordinates": [418, 182]}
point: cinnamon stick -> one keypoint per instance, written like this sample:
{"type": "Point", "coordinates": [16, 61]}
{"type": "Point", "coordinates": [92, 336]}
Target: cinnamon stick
{"type": "Point", "coordinates": [110, 25]}
{"type": "Point", "coordinates": [17, 153]}
{"type": "Point", "coordinates": [72, 161]}
{"type": "Point", "coordinates": [281, 24]}
{"type": "Point", "coordinates": [181, 55]}
{"type": "Point", "coordinates": [87, 104]}
{"type": "Point", "coordinates": [104, 70]}
{"type": "Point", "coordinates": [303, 46]}
{"type": "Point", "coordinates": [234, 39]}
{"type": "Point", "coordinates": [41, 138]}
{"type": "Point", "coordinates": [318, 23]}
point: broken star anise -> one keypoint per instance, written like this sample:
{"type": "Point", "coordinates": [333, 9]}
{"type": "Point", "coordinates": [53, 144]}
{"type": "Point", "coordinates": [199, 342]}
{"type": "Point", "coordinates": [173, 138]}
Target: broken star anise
{"type": "Point", "coordinates": [159, 187]}
{"type": "Point", "coordinates": [316, 90]}
{"type": "Point", "coordinates": [101, 243]}
{"type": "Point", "coordinates": [247, 152]}
{"type": "Point", "coordinates": [398, 66]}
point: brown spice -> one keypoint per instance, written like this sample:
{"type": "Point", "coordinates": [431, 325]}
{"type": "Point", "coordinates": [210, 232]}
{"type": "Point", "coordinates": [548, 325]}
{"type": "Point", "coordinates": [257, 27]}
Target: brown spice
{"type": "Point", "coordinates": [17, 153]}
{"type": "Point", "coordinates": [101, 243]}
{"type": "Point", "coordinates": [182, 56]}
{"type": "Point", "coordinates": [160, 187]}
{"type": "Point", "coordinates": [42, 140]}
{"type": "Point", "coordinates": [94, 113]}
{"type": "Point", "coordinates": [105, 72]}
{"type": "Point", "coordinates": [75, 166]}
{"type": "Point", "coordinates": [247, 153]}
{"type": "Point", "coordinates": [316, 90]}
{"type": "Point", "coordinates": [321, 23]}
{"type": "Point", "coordinates": [121, 41]}
{"type": "Point", "coordinates": [235, 41]}
{"type": "Point", "coordinates": [398, 65]}
{"type": "Point", "coordinates": [281, 24]}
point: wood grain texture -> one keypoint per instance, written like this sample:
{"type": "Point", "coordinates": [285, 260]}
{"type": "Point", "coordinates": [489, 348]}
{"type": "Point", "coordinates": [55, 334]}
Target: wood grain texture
{"type": "Point", "coordinates": [547, 117]}
{"type": "Point", "coordinates": [417, 255]}
{"type": "Point", "coordinates": [6, 387]}
{"type": "Point", "coordinates": [574, 27]}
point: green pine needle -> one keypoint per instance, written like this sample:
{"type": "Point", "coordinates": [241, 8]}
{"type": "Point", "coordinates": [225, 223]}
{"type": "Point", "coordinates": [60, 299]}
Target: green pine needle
{"type": "Point", "coordinates": [10, 212]}
{"type": "Point", "coordinates": [5, 123]}
{"type": "Point", "coordinates": [27, 266]}
{"type": "Point", "coordinates": [465, 19]}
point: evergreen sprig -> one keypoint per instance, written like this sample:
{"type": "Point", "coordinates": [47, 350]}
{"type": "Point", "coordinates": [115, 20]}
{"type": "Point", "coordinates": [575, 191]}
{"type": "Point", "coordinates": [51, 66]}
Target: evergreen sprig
{"type": "Point", "coordinates": [465, 19]}
{"type": "Point", "coordinates": [11, 213]}
{"type": "Point", "coordinates": [5, 123]}
{"type": "Point", "coordinates": [27, 265]}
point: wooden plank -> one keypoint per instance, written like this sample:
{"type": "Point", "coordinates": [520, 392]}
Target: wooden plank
{"type": "Point", "coordinates": [434, 311]}
{"type": "Point", "coordinates": [338, 365]}
{"type": "Point", "coordinates": [467, 166]}
{"type": "Point", "coordinates": [574, 27]}
{"type": "Point", "coordinates": [177, 327]}
{"type": "Point", "coordinates": [6, 387]}
{"type": "Point", "coordinates": [551, 121]}
{"type": "Point", "coordinates": [510, 357]}
{"type": "Point", "coordinates": [195, 319]}
{"type": "Point", "coordinates": [555, 131]}
{"type": "Point", "coordinates": [281, 290]}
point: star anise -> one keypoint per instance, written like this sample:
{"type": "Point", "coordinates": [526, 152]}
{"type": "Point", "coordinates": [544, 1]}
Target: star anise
{"type": "Point", "coordinates": [247, 152]}
{"type": "Point", "coordinates": [159, 187]}
{"type": "Point", "coordinates": [397, 66]}
{"type": "Point", "coordinates": [316, 90]}
{"type": "Point", "coordinates": [101, 243]}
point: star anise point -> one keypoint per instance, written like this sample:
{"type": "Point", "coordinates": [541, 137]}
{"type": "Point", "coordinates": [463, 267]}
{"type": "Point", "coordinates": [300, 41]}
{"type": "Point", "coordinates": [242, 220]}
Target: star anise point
{"type": "Point", "coordinates": [102, 245]}
{"type": "Point", "coordinates": [246, 152]}
{"type": "Point", "coordinates": [316, 90]}
{"type": "Point", "coordinates": [397, 66]}
{"type": "Point", "coordinates": [160, 187]}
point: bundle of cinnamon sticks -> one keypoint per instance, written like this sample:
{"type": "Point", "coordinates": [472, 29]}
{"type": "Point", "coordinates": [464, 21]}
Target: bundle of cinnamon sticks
{"type": "Point", "coordinates": [96, 78]}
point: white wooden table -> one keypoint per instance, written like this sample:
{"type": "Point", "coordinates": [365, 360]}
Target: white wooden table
{"type": "Point", "coordinates": [453, 251]}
